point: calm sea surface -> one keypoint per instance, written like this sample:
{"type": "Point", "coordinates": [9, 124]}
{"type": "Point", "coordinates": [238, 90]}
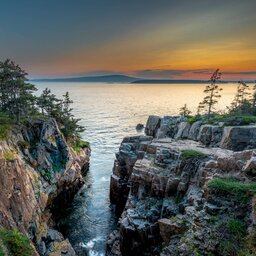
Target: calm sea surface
{"type": "Point", "coordinates": [109, 112]}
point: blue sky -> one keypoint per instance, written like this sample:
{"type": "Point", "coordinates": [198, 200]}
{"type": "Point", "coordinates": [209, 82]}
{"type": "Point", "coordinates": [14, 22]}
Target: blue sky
{"type": "Point", "coordinates": [147, 38]}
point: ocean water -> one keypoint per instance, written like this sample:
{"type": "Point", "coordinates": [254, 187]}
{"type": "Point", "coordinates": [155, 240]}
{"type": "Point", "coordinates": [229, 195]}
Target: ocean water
{"type": "Point", "coordinates": [109, 112]}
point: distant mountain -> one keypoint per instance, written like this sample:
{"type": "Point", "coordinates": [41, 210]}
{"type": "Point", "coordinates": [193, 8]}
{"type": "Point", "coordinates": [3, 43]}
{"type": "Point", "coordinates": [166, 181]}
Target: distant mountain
{"type": "Point", "coordinates": [125, 79]}
{"type": "Point", "coordinates": [184, 81]}
{"type": "Point", "coordinates": [169, 81]}
{"type": "Point", "coordinates": [92, 79]}
{"type": "Point", "coordinates": [166, 81]}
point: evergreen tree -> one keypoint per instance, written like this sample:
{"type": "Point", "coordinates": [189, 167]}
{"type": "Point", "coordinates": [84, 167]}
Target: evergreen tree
{"type": "Point", "coordinates": [16, 94]}
{"type": "Point", "coordinates": [17, 100]}
{"type": "Point", "coordinates": [241, 103]}
{"type": "Point", "coordinates": [67, 119]}
{"type": "Point", "coordinates": [212, 92]}
{"type": "Point", "coordinates": [184, 111]}
{"type": "Point", "coordinates": [48, 103]}
{"type": "Point", "coordinates": [254, 96]}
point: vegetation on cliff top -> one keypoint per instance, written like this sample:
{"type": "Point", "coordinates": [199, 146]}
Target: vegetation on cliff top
{"type": "Point", "coordinates": [212, 92]}
{"type": "Point", "coordinates": [18, 103]}
{"type": "Point", "coordinates": [16, 243]}
{"type": "Point", "coordinates": [242, 110]}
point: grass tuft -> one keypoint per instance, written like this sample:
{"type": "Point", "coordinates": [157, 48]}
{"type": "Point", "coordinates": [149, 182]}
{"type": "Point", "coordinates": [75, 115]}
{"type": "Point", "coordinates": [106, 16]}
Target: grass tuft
{"type": "Point", "coordinates": [17, 243]}
{"type": "Point", "coordinates": [236, 227]}
{"type": "Point", "coordinates": [8, 155]}
{"type": "Point", "coordinates": [190, 153]}
{"type": "Point", "coordinates": [241, 190]}
{"type": "Point", "coordinates": [232, 185]}
{"type": "Point", "coordinates": [81, 144]}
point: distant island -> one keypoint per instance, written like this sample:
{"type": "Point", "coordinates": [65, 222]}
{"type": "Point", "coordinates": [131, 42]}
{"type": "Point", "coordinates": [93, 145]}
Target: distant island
{"type": "Point", "coordinates": [167, 81]}
{"type": "Point", "coordinates": [126, 79]}
{"type": "Point", "coordinates": [92, 79]}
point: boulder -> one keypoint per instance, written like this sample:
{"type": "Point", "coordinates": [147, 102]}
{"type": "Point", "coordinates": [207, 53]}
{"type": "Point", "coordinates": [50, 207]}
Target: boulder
{"type": "Point", "coordinates": [183, 130]}
{"type": "Point", "coordinates": [170, 227]}
{"type": "Point", "coordinates": [153, 123]}
{"type": "Point", "coordinates": [205, 134]}
{"type": "Point", "coordinates": [239, 138]}
{"type": "Point", "coordinates": [250, 167]}
{"type": "Point", "coordinates": [169, 126]}
{"type": "Point", "coordinates": [194, 130]}
{"type": "Point", "coordinates": [139, 127]}
{"type": "Point", "coordinates": [217, 132]}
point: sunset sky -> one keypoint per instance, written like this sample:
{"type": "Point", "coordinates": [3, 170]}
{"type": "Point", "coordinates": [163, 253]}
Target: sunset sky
{"type": "Point", "coordinates": [173, 39]}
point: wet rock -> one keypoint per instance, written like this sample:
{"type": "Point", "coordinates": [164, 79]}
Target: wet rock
{"type": "Point", "coordinates": [139, 127]}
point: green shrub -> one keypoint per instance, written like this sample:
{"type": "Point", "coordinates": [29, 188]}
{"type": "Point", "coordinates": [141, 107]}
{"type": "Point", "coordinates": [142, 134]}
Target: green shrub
{"type": "Point", "coordinates": [8, 155]}
{"type": "Point", "coordinates": [193, 119]}
{"type": "Point", "coordinates": [236, 227]}
{"type": "Point", "coordinates": [47, 174]}
{"type": "Point", "coordinates": [80, 144]}
{"type": "Point", "coordinates": [231, 185]}
{"type": "Point", "coordinates": [241, 190]}
{"type": "Point", "coordinates": [4, 131]}
{"type": "Point", "coordinates": [17, 243]}
{"type": "Point", "coordinates": [5, 125]}
{"type": "Point", "coordinates": [190, 153]}
{"type": "Point", "coordinates": [1, 251]}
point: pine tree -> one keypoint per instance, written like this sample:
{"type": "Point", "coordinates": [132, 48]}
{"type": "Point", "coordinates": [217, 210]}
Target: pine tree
{"type": "Point", "coordinates": [48, 103]}
{"type": "Point", "coordinates": [16, 94]}
{"type": "Point", "coordinates": [212, 92]}
{"type": "Point", "coordinates": [241, 103]}
{"type": "Point", "coordinates": [70, 123]}
{"type": "Point", "coordinates": [184, 111]}
{"type": "Point", "coordinates": [254, 96]}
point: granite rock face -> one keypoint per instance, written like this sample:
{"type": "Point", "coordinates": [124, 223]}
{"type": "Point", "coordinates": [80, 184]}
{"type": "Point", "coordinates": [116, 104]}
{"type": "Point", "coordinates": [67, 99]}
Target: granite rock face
{"type": "Point", "coordinates": [239, 137]}
{"type": "Point", "coordinates": [38, 172]}
{"type": "Point", "coordinates": [168, 208]}
{"type": "Point", "coordinates": [235, 138]}
{"type": "Point", "coordinates": [152, 125]}
{"type": "Point", "coordinates": [131, 148]}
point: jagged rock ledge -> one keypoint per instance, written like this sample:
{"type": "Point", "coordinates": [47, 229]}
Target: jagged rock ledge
{"type": "Point", "coordinates": [161, 189]}
{"type": "Point", "coordinates": [39, 172]}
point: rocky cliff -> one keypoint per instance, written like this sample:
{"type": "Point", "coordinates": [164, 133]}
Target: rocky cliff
{"type": "Point", "coordinates": [39, 173]}
{"type": "Point", "coordinates": [185, 189]}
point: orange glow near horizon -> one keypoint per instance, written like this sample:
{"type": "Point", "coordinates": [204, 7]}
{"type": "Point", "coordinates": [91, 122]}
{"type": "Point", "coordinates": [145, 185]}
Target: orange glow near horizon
{"type": "Point", "coordinates": [148, 39]}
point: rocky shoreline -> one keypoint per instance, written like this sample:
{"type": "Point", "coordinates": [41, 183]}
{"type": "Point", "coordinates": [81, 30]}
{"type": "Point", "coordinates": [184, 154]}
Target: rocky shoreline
{"type": "Point", "coordinates": [185, 189]}
{"type": "Point", "coordinates": [39, 173]}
